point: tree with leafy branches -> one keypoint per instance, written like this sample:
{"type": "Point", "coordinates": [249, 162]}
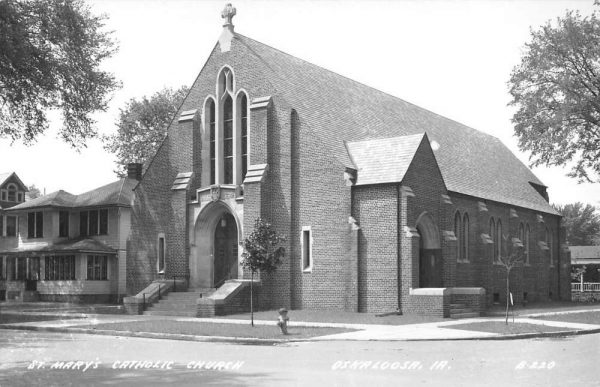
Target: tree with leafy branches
{"type": "Point", "coordinates": [511, 255]}
{"type": "Point", "coordinates": [556, 90]}
{"type": "Point", "coordinates": [262, 253]}
{"type": "Point", "coordinates": [582, 223]}
{"type": "Point", "coordinates": [34, 192]}
{"type": "Point", "coordinates": [142, 127]}
{"type": "Point", "coordinates": [51, 53]}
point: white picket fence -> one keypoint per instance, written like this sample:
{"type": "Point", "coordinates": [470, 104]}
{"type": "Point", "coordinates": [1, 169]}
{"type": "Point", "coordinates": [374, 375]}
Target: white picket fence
{"type": "Point", "coordinates": [586, 286]}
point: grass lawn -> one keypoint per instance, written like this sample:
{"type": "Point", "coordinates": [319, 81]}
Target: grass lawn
{"type": "Point", "coordinates": [581, 317]}
{"type": "Point", "coordinates": [22, 318]}
{"type": "Point", "coordinates": [501, 328]}
{"type": "Point", "coordinates": [217, 329]}
{"type": "Point", "coordinates": [336, 316]}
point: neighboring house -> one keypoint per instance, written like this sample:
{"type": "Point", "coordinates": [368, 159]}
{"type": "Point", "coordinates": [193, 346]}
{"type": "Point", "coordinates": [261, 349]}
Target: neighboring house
{"type": "Point", "coordinates": [12, 192]}
{"type": "Point", "coordinates": [69, 247]}
{"type": "Point", "coordinates": [386, 206]}
{"type": "Point", "coordinates": [588, 257]}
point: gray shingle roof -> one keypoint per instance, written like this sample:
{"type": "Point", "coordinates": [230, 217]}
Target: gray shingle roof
{"type": "Point", "coordinates": [383, 160]}
{"type": "Point", "coordinates": [118, 193]}
{"type": "Point", "coordinates": [580, 252]}
{"type": "Point", "coordinates": [339, 109]}
{"type": "Point", "coordinates": [6, 175]}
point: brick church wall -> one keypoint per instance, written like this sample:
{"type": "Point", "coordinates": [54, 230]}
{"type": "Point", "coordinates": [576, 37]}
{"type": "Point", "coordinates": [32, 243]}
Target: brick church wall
{"type": "Point", "coordinates": [375, 208]}
{"type": "Point", "coordinates": [537, 279]}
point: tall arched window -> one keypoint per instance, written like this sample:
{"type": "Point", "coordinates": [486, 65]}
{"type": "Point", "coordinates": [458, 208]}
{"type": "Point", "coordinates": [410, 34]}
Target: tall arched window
{"type": "Point", "coordinates": [228, 140]}
{"type": "Point", "coordinates": [526, 244]}
{"type": "Point", "coordinates": [213, 136]}
{"type": "Point", "coordinates": [457, 230]}
{"type": "Point", "coordinates": [498, 240]}
{"type": "Point", "coordinates": [465, 238]}
{"type": "Point", "coordinates": [493, 237]}
{"type": "Point", "coordinates": [549, 244]}
{"type": "Point", "coordinates": [244, 134]}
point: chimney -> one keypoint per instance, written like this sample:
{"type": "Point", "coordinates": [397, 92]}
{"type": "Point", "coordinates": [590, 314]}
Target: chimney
{"type": "Point", "coordinates": [134, 171]}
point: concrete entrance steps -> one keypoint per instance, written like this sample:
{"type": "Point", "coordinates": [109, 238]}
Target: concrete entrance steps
{"type": "Point", "coordinates": [461, 311]}
{"type": "Point", "coordinates": [179, 303]}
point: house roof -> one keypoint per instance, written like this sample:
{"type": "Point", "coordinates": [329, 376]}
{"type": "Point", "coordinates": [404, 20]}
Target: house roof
{"type": "Point", "coordinates": [4, 177]}
{"type": "Point", "coordinates": [339, 109]}
{"type": "Point", "coordinates": [71, 246]}
{"type": "Point", "coordinates": [118, 193]}
{"type": "Point", "coordinates": [585, 254]}
{"type": "Point", "coordinates": [383, 160]}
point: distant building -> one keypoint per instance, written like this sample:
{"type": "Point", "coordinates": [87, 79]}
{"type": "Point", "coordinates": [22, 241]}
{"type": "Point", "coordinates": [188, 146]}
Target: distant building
{"type": "Point", "coordinates": [588, 256]}
{"type": "Point", "coordinates": [65, 247]}
{"type": "Point", "coordinates": [387, 206]}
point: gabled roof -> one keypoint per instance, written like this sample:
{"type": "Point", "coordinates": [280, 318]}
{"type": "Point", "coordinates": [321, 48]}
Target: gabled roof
{"type": "Point", "coordinates": [339, 109]}
{"type": "Point", "coordinates": [4, 177]}
{"type": "Point", "coordinates": [118, 193]}
{"type": "Point", "coordinates": [383, 160]}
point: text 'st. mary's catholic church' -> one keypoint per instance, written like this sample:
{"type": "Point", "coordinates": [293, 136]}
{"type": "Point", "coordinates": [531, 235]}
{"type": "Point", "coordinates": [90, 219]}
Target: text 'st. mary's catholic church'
{"type": "Point", "coordinates": [385, 205]}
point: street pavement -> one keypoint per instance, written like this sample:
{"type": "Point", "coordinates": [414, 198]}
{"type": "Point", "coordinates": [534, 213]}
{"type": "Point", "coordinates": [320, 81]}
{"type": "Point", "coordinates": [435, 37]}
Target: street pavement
{"type": "Point", "coordinates": [29, 358]}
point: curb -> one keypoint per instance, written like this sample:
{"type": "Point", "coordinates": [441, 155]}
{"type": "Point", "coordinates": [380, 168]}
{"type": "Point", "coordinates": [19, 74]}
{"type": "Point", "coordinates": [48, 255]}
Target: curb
{"type": "Point", "coordinates": [258, 341]}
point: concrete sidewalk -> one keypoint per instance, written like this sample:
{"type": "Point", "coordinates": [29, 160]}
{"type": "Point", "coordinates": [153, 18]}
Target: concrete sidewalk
{"type": "Point", "coordinates": [364, 332]}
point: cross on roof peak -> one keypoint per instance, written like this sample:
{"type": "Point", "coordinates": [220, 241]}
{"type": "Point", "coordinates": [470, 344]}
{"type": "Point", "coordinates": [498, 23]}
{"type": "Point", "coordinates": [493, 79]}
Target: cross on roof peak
{"type": "Point", "coordinates": [228, 13]}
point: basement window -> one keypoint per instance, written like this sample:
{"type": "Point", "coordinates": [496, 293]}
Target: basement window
{"type": "Point", "coordinates": [306, 242]}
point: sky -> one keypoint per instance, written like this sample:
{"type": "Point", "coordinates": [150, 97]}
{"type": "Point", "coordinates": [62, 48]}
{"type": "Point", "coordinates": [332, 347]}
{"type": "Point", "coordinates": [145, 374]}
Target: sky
{"type": "Point", "coordinates": [451, 57]}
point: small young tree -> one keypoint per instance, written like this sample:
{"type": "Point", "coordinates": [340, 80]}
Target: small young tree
{"type": "Point", "coordinates": [261, 253]}
{"type": "Point", "coordinates": [512, 254]}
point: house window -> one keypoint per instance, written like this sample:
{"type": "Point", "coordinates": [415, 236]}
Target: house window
{"type": "Point", "coordinates": [1, 225]}
{"type": "Point", "coordinates": [11, 226]}
{"type": "Point", "coordinates": [213, 154]}
{"type": "Point", "coordinates": [161, 253]}
{"type": "Point", "coordinates": [526, 244]}
{"type": "Point", "coordinates": [12, 193]}
{"type": "Point", "coordinates": [3, 195]}
{"type": "Point", "coordinates": [244, 133]}
{"type": "Point", "coordinates": [35, 224]}
{"type": "Point", "coordinates": [21, 269]}
{"type": "Point", "coordinates": [228, 140]}
{"type": "Point", "coordinates": [457, 230]}
{"type": "Point", "coordinates": [20, 197]}
{"type": "Point", "coordinates": [11, 268]}
{"type": "Point", "coordinates": [307, 260]}
{"type": "Point", "coordinates": [465, 238]}
{"type": "Point", "coordinates": [2, 274]}
{"type": "Point", "coordinates": [60, 268]}
{"type": "Point", "coordinates": [97, 267]}
{"type": "Point", "coordinates": [93, 222]}
{"type": "Point", "coordinates": [63, 224]}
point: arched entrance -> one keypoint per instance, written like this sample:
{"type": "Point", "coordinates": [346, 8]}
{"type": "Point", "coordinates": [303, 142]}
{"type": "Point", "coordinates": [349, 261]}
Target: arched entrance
{"type": "Point", "coordinates": [214, 251]}
{"type": "Point", "coordinates": [430, 253]}
{"type": "Point", "coordinates": [225, 250]}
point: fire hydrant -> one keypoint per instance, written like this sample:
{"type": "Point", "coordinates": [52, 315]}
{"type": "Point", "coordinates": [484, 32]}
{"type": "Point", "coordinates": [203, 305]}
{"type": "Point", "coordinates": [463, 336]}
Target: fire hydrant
{"type": "Point", "coordinates": [282, 321]}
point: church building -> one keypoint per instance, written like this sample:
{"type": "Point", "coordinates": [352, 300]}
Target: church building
{"type": "Point", "coordinates": [386, 206]}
